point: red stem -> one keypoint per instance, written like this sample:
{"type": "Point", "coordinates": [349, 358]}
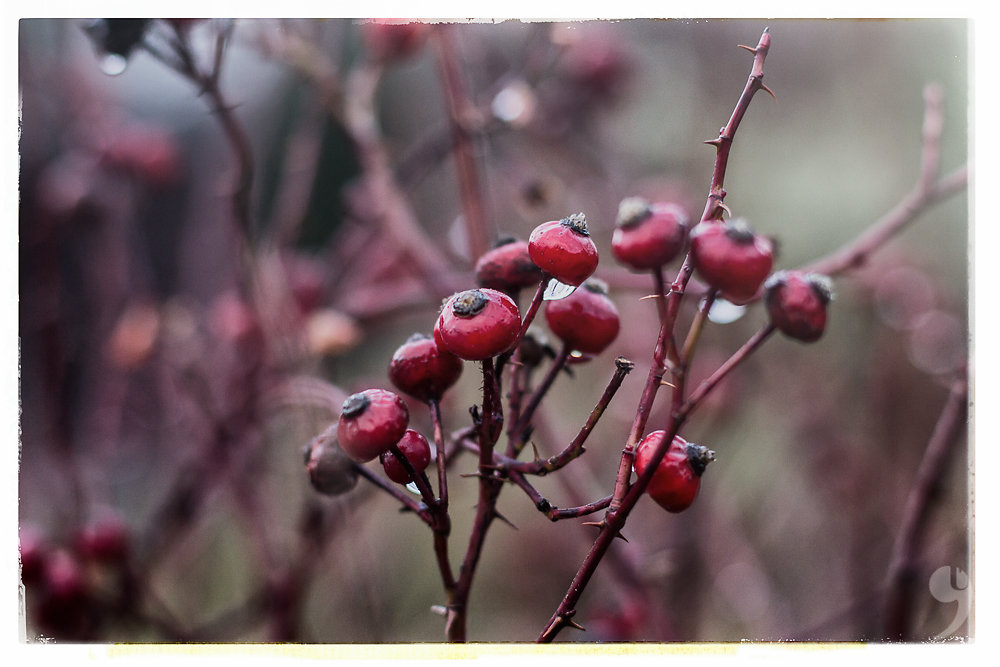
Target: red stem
{"type": "Point", "coordinates": [489, 488]}
{"type": "Point", "coordinates": [575, 448]}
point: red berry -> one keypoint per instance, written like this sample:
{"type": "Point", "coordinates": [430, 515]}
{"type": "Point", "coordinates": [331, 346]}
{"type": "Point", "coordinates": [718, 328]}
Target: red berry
{"type": "Point", "coordinates": [393, 39]}
{"type": "Point", "coordinates": [105, 540]}
{"type": "Point", "coordinates": [563, 249]}
{"type": "Point", "coordinates": [371, 422]}
{"type": "Point", "coordinates": [478, 324]}
{"type": "Point", "coordinates": [423, 369]}
{"type": "Point", "coordinates": [507, 267]}
{"type": "Point", "coordinates": [675, 483]}
{"type": "Point", "coordinates": [586, 320]}
{"type": "Point", "coordinates": [331, 471]}
{"type": "Point", "coordinates": [417, 451]}
{"type": "Point", "coordinates": [34, 557]}
{"type": "Point", "coordinates": [65, 610]}
{"type": "Point", "coordinates": [731, 258]}
{"type": "Point", "coordinates": [797, 303]}
{"type": "Point", "coordinates": [647, 235]}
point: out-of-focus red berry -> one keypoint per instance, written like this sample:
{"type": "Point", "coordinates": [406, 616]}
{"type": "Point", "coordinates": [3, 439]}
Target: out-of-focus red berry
{"type": "Point", "coordinates": [507, 267]}
{"type": "Point", "coordinates": [586, 320]}
{"type": "Point", "coordinates": [648, 235]}
{"type": "Point", "coordinates": [422, 369]}
{"type": "Point", "coordinates": [731, 258]}
{"type": "Point", "coordinates": [796, 303]}
{"type": "Point", "coordinates": [390, 40]}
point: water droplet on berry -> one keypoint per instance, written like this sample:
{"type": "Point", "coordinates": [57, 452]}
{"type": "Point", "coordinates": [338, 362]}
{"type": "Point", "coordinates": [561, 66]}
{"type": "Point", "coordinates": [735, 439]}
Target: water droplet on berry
{"type": "Point", "coordinates": [113, 64]}
{"type": "Point", "coordinates": [724, 312]}
{"type": "Point", "coordinates": [556, 290]}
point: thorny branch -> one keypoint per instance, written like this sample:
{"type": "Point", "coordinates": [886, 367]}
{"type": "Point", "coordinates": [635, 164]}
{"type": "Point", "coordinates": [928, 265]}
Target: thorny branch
{"type": "Point", "coordinates": [902, 567]}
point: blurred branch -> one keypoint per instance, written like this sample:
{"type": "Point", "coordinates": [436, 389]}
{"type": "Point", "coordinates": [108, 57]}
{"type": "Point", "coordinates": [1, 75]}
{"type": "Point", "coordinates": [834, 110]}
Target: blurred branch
{"type": "Point", "coordinates": [902, 567]}
{"type": "Point", "coordinates": [460, 110]}
{"type": "Point", "coordinates": [183, 62]}
{"type": "Point", "coordinates": [928, 190]}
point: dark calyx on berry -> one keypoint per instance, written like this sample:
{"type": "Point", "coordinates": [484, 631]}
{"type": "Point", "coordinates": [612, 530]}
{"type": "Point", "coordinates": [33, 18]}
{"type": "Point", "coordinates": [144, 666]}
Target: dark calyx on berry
{"type": "Point", "coordinates": [469, 303]}
{"type": "Point", "coordinates": [355, 405]}
{"type": "Point", "coordinates": [739, 231]}
{"type": "Point", "coordinates": [699, 456]}
{"type": "Point", "coordinates": [577, 222]}
{"type": "Point", "coordinates": [596, 285]}
{"type": "Point", "coordinates": [632, 211]}
{"type": "Point", "coordinates": [796, 303]}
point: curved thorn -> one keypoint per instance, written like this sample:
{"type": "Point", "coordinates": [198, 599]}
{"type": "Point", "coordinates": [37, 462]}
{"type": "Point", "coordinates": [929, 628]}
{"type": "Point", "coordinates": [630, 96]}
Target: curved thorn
{"type": "Point", "coordinates": [748, 48]}
{"type": "Point", "coordinates": [769, 92]}
{"type": "Point", "coordinates": [504, 519]}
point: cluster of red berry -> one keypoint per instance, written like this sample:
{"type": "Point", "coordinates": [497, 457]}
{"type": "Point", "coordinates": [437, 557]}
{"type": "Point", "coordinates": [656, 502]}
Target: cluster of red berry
{"type": "Point", "coordinates": [485, 323]}
{"type": "Point", "coordinates": [74, 588]}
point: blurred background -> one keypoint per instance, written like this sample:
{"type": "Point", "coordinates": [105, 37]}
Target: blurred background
{"type": "Point", "coordinates": [166, 397]}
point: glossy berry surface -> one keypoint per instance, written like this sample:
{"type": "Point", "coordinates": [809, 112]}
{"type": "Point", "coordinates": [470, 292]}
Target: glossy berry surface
{"type": "Point", "coordinates": [564, 250]}
{"type": "Point", "coordinates": [422, 369]}
{"type": "Point", "coordinates": [587, 320]}
{"type": "Point", "coordinates": [647, 235]}
{"type": "Point", "coordinates": [371, 422]}
{"type": "Point", "coordinates": [417, 451]}
{"type": "Point", "coordinates": [796, 303]}
{"type": "Point", "coordinates": [331, 471]}
{"type": "Point", "coordinates": [507, 267]}
{"type": "Point", "coordinates": [731, 258]}
{"type": "Point", "coordinates": [675, 483]}
{"type": "Point", "coordinates": [478, 324]}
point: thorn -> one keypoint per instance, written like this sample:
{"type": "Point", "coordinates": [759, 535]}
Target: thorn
{"type": "Point", "coordinates": [748, 48]}
{"type": "Point", "coordinates": [597, 524]}
{"type": "Point", "coordinates": [769, 92]}
{"type": "Point", "coordinates": [650, 296]}
{"type": "Point", "coordinates": [573, 624]}
{"type": "Point", "coordinates": [504, 519]}
{"type": "Point", "coordinates": [725, 208]}
{"type": "Point", "coordinates": [664, 383]}
{"type": "Point", "coordinates": [535, 450]}
{"type": "Point", "coordinates": [621, 537]}
{"type": "Point", "coordinates": [713, 142]}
